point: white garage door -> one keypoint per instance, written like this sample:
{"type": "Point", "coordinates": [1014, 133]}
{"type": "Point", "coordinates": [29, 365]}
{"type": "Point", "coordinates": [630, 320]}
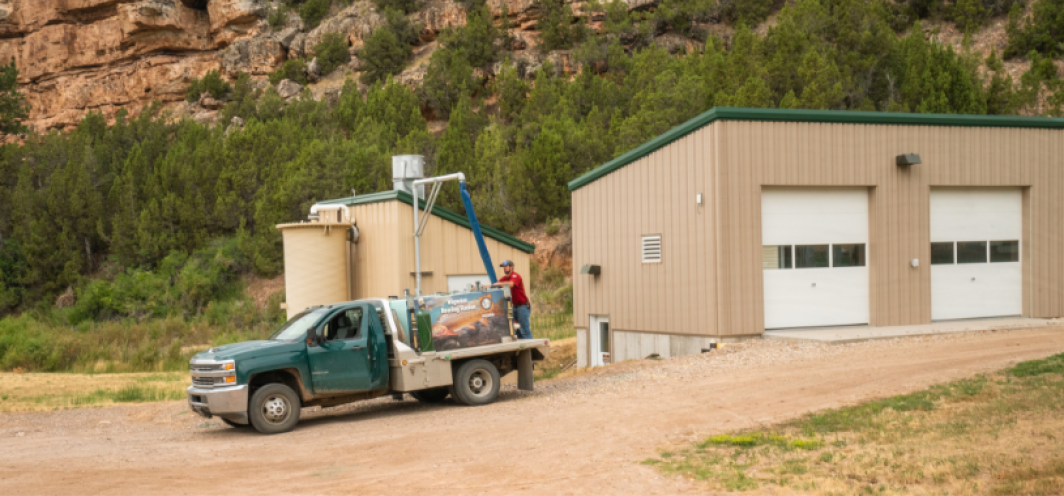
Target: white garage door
{"type": "Point", "coordinates": [814, 255]}
{"type": "Point", "coordinates": [975, 253]}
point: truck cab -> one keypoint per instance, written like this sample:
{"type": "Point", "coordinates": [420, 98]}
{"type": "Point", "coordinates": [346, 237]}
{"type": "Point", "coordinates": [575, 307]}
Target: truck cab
{"type": "Point", "coordinates": [336, 354]}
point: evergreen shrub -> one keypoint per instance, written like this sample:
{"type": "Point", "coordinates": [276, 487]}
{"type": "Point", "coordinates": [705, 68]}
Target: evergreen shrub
{"type": "Point", "coordinates": [312, 12]}
{"type": "Point", "coordinates": [1043, 31]}
{"type": "Point", "coordinates": [211, 83]}
{"type": "Point", "coordinates": [386, 50]}
{"type": "Point", "coordinates": [278, 16]}
{"type": "Point", "coordinates": [294, 70]}
{"type": "Point", "coordinates": [332, 52]}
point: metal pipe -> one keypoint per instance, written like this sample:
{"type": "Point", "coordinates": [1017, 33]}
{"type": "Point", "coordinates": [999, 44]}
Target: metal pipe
{"type": "Point", "coordinates": [417, 245]}
{"type": "Point", "coordinates": [439, 179]}
{"type": "Point", "coordinates": [428, 208]}
{"type": "Point", "coordinates": [417, 221]}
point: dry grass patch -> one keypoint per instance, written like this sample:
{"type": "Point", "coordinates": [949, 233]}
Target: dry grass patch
{"type": "Point", "coordinates": [41, 392]}
{"type": "Point", "coordinates": [562, 358]}
{"type": "Point", "coordinates": [996, 434]}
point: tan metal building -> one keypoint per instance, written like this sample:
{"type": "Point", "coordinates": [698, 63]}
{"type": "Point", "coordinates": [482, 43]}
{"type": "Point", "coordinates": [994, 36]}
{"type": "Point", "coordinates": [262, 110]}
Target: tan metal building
{"type": "Point", "coordinates": [743, 220]}
{"type": "Point", "coordinates": [324, 264]}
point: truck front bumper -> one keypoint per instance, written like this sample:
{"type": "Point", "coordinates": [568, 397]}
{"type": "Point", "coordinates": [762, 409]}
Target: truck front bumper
{"type": "Point", "coordinates": [230, 403]}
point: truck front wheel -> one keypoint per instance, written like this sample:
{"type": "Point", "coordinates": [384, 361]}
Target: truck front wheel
{"type": "Point", "coordinates": [274, 409]}
{"type": "Point", "coordinates": [476, 383]}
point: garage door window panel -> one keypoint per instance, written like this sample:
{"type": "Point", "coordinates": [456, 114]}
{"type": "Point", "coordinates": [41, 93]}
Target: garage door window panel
{"type": "Point", "coordinates": [1004, 251]}
{"type": "Point", "coordinates": [811, 256]}
{"type": "Point", "coordinates": [969, 252]}
{"type": "Point", "coordinates": [777, 257]}
{"type": "Point", "coordinates": [942, 253]}
{"type": "Point", "coordinates": [848, 255]}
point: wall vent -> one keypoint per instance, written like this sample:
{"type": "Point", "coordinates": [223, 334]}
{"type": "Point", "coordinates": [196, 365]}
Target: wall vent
{"type": "Point", "coordinates": [652, 248]}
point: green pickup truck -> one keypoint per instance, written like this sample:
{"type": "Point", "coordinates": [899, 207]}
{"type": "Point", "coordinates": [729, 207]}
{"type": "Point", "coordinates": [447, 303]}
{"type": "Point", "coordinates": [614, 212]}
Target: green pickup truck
{"type": "Point", "coordinates": [331, 355]}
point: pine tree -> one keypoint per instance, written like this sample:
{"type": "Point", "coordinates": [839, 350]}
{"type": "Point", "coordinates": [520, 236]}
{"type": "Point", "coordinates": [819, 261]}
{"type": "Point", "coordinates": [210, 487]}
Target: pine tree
{"type": "Point", "coordinates": [789, 101]}
{"type": "Point", "coordinates": [821, 83]}
{"type": "Point", "coordinates": [559, 32]}
{"type": "Point", "coordinates": [456, 148]}
{"type": "Point", "coordinates": [755, 93]}
{"type": "Point", "coordinates": [512, 91]}
{"type": "Point", "coordinates": [383, 55]}
{"type": "Point", "coordinates": [476, 39]}
{"type": "Point", "coordinates": [448, 77]}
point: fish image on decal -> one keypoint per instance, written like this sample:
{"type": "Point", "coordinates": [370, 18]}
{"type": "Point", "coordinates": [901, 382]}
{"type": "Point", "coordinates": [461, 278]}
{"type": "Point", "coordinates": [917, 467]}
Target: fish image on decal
{"type": "Point", "coordinates": [468, 319]}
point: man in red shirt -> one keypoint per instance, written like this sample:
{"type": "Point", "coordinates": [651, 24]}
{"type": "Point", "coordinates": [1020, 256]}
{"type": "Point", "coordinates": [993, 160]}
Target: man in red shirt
{"type": "Point", "coordinates": [522, 310]}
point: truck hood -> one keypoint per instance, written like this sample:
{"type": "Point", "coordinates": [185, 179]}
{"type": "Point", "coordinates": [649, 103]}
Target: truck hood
{"type": "Point", "coordinates": [249, 349]}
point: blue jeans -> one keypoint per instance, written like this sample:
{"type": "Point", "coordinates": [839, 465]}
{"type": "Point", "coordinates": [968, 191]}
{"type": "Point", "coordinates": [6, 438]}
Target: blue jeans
{"type": "Point", "coordinates": [523, 315]}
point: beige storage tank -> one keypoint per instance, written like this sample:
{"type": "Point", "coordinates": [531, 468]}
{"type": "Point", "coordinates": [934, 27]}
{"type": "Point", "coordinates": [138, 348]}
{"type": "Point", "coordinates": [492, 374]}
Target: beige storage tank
{"type": "Point", "coordinates": [317, 261]}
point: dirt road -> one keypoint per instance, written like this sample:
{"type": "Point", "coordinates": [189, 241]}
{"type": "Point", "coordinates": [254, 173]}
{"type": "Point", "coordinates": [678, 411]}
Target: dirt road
{"type": "Point", "coordinates": [580, 435]}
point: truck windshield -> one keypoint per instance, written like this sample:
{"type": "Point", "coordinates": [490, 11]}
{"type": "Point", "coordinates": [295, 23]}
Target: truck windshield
{"type": "Point", "coordinates": [296, 327]}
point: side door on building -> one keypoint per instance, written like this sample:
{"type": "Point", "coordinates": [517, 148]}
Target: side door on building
{"type": "Point", "coordinates": [599, 339]}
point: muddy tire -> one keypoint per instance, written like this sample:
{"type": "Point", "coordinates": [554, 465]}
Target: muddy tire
{"type": "Point", "coordinates": [274, 409]}
{"type": "Point", "coordinates": [434, 395]}
{"type": "Point", "coordinates": [235, 425]}
{"type": "Point", "coordinates": [476, 383]}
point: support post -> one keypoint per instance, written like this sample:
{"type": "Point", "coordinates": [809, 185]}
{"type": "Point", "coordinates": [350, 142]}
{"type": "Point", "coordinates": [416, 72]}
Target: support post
{"type": "Point", "coordinates": [524, 370]}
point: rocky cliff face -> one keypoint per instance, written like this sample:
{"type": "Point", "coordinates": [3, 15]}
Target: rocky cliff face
{"type": "Point", "coordinates": [77, 56]}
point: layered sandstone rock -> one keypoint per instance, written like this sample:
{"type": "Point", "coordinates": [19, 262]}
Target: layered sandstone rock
{"type": "Point", "coordinates": [356, 22]}
{"type": "Point", "coordinates": [76, 56]}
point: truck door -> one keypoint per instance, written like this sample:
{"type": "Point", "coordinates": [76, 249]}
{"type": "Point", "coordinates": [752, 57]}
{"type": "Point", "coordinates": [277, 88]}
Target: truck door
{"type": "Point", "coordinates": [378, 350]}
{"type": "Point", "coordinates": [340, 361]}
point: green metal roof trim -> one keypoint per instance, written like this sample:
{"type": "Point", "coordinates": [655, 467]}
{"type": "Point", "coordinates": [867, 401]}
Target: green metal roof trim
{"type": "Point", "coordinates": [444, 213]}
{"type": "Point", "coordinates": [824, 116]}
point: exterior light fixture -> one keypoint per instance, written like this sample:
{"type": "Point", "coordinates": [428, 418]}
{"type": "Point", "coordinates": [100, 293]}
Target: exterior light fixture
{"type": "Point", "coordinates": [591, 269]}
{"type": "Point", "coordinates": [908, 159]}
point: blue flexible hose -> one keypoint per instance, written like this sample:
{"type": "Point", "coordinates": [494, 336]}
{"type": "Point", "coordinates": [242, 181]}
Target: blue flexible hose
{"type": "Point", "coordinates": [484, 255]}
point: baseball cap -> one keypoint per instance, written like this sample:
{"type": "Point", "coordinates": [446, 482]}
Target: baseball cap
{"type": "Point", "coordinates": [508, 262]}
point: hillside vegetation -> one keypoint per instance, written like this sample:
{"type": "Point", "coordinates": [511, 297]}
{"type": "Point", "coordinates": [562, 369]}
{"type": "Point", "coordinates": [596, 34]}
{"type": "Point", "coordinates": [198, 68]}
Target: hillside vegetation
{"type": "Point", "coordinates": [135, 205]}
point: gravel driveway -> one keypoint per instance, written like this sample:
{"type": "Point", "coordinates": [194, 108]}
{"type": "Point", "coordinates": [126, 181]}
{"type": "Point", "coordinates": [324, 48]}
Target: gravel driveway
{"type": "Point", "coordinates": [584, 434]}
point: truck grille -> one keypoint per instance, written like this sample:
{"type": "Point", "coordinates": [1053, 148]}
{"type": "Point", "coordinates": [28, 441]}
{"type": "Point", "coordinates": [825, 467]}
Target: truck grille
{"type": "Point", "coordinates": [209, 375]}
{"type": "Point", "coordinates": [206, 367]}
{"type": "Point", "coordinates": [203, 382]}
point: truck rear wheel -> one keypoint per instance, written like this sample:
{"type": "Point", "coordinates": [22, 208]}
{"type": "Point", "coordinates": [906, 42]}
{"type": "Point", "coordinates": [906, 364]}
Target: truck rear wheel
{"type": "Point", "coordinates": [476, 383]}
{"type": "Point", "coordinates": [274, 409]}
{"type": "Point", "coordinates": [434, 395]}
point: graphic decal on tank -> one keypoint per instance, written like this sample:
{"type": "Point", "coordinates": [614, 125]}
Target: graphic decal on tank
{"type": "Point", "coordinates": [468, 319]}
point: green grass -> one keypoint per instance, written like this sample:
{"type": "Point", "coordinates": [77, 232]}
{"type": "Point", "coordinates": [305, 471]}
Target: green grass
{"type": "Point", "coordinates": [553, 326]}
{"type": "Point", "coordinates": [991, 434]}
{"type": "Point", "coordinates": [1051, 365]}
{"type": "Point", "coordinates": [128, 394]}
